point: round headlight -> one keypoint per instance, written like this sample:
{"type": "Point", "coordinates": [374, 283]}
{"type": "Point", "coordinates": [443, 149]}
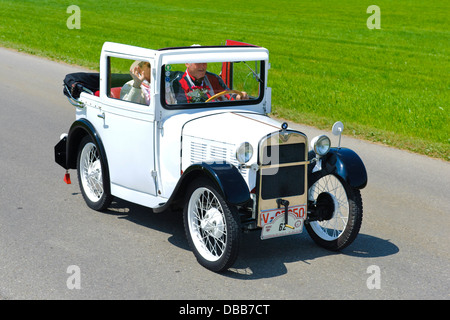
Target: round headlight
{"type": "Point", "coordinates": [244, 153]}
{"type": "Point", "coordinates": [321, 145]}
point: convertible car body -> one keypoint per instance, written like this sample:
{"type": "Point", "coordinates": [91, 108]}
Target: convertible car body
{"type": "Point", "coordinates": [206, 145]}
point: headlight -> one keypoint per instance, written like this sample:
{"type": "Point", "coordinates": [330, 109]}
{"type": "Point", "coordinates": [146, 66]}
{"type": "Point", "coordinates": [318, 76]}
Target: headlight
{"type": "Point", "coordinates": [244, 153]}
{"type": "Point", "coordinates": [321, 145]}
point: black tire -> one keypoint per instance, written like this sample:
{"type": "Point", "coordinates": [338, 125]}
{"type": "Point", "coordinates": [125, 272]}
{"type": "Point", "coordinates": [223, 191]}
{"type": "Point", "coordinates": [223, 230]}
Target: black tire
{"type": "Point", "coordinates": [92, 177]}
{"type": "Point", "coordinates": [347, 217]}
{"type": "Point", "coordinates": [211, 225]}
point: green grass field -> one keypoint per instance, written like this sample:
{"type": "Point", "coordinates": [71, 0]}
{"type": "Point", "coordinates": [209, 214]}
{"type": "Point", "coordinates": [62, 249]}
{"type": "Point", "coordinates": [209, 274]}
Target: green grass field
{"type": "Point", "coordinates": [388, 85]}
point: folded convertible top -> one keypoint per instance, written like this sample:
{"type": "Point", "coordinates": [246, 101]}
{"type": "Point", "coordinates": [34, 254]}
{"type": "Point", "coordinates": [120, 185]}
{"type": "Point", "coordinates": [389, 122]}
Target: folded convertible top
{"type": "Point", "coordinates": [75, 83]}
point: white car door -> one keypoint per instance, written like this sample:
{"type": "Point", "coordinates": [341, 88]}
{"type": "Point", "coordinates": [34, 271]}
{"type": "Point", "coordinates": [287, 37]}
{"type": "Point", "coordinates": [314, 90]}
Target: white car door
{"type": "Point", "coordinates": [128, 137]}
{"type": "Point", "coordinates": [127, 132]}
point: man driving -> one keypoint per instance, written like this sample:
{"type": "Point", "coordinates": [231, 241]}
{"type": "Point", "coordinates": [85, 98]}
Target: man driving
{"type": "Point", "coordinates": [196, 84]}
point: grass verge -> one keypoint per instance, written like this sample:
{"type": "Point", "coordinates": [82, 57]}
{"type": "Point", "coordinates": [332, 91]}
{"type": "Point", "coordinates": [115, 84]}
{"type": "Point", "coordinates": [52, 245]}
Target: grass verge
{"type": "Point", "coordinates": [387, 85]}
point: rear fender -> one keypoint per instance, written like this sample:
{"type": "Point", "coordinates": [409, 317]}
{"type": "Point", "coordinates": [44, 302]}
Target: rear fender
{"type": "Point", "coordinates": [78, 130]}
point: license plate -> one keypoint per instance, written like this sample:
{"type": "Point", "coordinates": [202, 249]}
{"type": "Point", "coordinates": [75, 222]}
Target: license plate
{"type": "Point", "coordinates": [273, 222]}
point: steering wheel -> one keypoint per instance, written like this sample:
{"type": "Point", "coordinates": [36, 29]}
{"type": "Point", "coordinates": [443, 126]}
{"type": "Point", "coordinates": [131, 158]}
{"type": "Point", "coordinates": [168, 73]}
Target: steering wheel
{"type": "Point", "coordinates": [223, 93]}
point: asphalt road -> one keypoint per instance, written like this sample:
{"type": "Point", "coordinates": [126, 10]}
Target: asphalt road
{"type": "Point", "coordinates": [129, 252]}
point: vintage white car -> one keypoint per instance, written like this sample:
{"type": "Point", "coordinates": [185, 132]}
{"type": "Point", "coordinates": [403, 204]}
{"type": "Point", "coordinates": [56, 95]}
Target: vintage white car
{"type": "Point", "coordinates": [189, 128]}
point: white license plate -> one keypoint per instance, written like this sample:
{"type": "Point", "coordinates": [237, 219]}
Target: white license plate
{"type": "Point", "coordinates": [273, 222]}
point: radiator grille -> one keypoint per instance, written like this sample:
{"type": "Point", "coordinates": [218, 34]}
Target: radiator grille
{"type": "Point", "coordinates": [283, 168]}
{"type": "Point", "coordinates": [284, 153]}
{"type": "Point", "coordinates": [287, 182]}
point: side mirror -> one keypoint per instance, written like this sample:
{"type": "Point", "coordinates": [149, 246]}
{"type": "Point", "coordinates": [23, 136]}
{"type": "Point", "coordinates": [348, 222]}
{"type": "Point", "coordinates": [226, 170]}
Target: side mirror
{"type": "Point", "coordinates": [337, 129]}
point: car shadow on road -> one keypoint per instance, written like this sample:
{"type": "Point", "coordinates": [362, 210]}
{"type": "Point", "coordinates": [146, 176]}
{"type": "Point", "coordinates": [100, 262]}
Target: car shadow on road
{"type": "Point", "coordinates": [268, 258]}
{"type": "Point", "coordinates": [170, 222]}
{"type": "Point", "coordinates": [257, 258]}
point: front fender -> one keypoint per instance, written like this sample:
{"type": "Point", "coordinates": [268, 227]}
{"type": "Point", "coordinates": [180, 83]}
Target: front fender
{"type": "Point", "coordinates": [225, 176]}
{"type": "Point", "coordinates": [346, 164]}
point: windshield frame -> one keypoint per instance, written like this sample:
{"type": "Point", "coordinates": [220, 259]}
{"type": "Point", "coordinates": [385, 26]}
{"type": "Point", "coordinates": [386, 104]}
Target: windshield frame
{"type": "Point", "coordinates": [215, 104]}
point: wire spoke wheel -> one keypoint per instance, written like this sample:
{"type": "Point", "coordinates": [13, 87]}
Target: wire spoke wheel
{"type": "Point", "coordinates": [91, 177]}
{"type": "Point", "coordinates": [91, 172]}
{"type": "Point", "coordinates": [211, 227]}
{"type": "Point", "coordinates": [341, 228]}
{"type": "Point", "coordinates": [207, 224]}
{"type": "Point", "coordinates": [333, 228]}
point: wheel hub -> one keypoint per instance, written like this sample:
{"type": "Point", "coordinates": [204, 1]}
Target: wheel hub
{"type": "Point", "coordinates": [94, 170]}
{"type": "Point", "coordinates": [325, 206]}
{"type": "Point", "coordinates": [213, 223]}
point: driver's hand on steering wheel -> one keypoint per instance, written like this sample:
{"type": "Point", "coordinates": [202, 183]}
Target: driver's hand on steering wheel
{"type": "Point", "coordinates": [243, 96]}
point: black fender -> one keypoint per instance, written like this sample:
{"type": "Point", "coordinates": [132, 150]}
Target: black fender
{"type": "Point", "coordinates": [78, 130]}
{"type": "Point", "coordinates": [347, 164]}
{"type": "Point", "coordinates": [225, 176]}
{"type": "Point", "coordinates": [66, 150]}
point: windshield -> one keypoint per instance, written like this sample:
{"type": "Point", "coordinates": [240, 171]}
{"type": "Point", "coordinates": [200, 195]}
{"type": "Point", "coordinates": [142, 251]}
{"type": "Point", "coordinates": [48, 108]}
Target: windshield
{"type": "Point", "coordinates": [202, 84]}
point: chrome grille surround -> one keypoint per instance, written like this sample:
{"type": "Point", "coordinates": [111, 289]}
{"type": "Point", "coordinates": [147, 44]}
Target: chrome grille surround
{"type": "Point", "coordinates": [282, 161]}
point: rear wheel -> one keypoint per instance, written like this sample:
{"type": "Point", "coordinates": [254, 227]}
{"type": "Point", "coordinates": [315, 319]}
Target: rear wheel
{"type": "Point", "coordinates": [338, 228]}
{"type": "Point", "coordinates": [211, 226]}
{"type": "Point", "coordinates": [91, 177]}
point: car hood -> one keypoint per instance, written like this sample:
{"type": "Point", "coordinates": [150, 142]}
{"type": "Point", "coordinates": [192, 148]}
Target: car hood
{"type": "Point", "coordinates": [183, 133]}
{"type": "Point", "coordinates": [231, 127]}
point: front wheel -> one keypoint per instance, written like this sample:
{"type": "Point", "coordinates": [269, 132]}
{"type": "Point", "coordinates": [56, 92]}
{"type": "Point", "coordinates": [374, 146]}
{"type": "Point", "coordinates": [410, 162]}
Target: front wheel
{"type": "Point", "coordinates": [211, 226]}
{"type": "Point", "coordinates": [340, 228]}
